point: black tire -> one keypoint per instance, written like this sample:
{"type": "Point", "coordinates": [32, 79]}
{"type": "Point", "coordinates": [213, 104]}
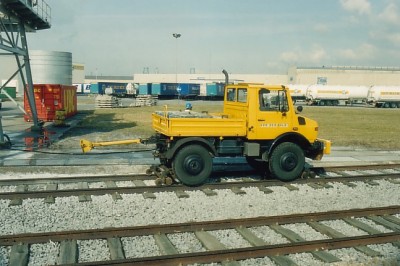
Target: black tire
{"type": "Point", "coordinates": [287, 162]}
{"type": "Point", "coordinates": [192, 165]}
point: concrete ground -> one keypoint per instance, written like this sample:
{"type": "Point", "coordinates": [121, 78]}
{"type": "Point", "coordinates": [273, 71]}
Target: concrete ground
{"type": "Point", "coordinates": [24, 150]}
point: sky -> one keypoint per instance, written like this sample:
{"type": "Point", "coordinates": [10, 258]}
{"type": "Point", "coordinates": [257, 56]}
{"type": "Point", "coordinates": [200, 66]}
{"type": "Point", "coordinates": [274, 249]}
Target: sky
{"type": "Point", "coordinates": [123, 37]}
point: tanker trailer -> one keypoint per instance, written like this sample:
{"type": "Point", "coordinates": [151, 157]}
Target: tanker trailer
{"type": "Point", "coordinates": [298, 92]}
{"type": "Point", "coordinates": [334, 95]}
{"type": "Point", "coordinates": [384, 96]}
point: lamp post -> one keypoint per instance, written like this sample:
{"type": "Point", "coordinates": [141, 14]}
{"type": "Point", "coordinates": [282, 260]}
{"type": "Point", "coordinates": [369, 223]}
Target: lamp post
{"type": "Point", "coordinates": [176, 36]}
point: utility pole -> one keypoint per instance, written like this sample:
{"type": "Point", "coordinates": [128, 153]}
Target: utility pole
{"type": "Point", "coordinates": [176, 36]}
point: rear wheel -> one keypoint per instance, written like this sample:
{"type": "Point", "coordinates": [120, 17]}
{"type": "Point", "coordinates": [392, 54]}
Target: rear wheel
{"type": "Point", "coordinates": [287, 162]}
{"type": "Point", "coordinates": [192, 165]}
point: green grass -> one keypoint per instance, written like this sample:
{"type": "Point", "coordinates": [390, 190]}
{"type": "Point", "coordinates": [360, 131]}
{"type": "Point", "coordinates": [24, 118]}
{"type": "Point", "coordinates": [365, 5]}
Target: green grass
{"type": "Point", "coordinates": [356, 127]}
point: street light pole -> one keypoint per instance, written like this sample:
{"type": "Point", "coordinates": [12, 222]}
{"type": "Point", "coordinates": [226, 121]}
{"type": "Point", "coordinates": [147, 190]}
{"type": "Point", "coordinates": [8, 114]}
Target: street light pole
{"type": "Point", "coordinates": [176, 36]}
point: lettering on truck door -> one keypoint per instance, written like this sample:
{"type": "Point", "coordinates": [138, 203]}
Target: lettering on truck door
{"type": "Point", "coordinates": [273, 118]}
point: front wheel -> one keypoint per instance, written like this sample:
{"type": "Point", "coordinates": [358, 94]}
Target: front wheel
{"type": "Point", "coordinates": [192, 165]}
{"type": "Point", "coordinates": [287, 162]}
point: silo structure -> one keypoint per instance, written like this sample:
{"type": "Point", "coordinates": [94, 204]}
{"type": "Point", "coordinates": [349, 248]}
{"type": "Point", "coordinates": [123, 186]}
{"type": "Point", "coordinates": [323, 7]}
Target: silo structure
{"type": "Point", "coordinates": [51, 67]}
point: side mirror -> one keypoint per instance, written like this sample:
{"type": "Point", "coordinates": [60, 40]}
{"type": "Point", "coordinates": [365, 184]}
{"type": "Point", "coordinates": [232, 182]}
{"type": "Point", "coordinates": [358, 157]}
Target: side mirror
{"type": "Point", "coordinates": [299, 108]}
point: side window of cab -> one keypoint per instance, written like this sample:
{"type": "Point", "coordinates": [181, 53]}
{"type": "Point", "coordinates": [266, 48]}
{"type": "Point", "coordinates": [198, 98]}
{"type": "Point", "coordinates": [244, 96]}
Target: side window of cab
{"type": "Point", "coordinates": [231, 95]}
{"type": "Point", "coordinates": [242, 95]}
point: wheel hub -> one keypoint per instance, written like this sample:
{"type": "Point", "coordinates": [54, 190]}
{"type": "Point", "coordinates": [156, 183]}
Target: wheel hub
{"type": "Point", "coordinates": [193, 164]}
{"type": "Point", "coordinates": [288, 161]}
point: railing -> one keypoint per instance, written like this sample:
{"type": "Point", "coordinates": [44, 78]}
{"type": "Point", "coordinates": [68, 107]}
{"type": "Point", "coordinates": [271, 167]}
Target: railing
{"type": "Point", "coordinates": [40, 8]}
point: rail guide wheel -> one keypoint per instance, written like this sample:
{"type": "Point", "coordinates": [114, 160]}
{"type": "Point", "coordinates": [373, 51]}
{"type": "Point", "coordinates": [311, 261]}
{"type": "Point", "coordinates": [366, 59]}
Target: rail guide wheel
{"type": "Point", "coordinates": [7, 142]}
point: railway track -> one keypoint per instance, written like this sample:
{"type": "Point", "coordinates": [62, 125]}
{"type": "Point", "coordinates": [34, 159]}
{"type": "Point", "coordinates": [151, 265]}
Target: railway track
{"type": "Point", "coordinates": [84, 187]}
{"type": "Point", "coordinates": [252, 231]}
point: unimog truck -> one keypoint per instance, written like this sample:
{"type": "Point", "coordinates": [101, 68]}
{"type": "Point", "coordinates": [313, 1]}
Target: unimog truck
{"type": "Point", "coordinates": [258, 122]}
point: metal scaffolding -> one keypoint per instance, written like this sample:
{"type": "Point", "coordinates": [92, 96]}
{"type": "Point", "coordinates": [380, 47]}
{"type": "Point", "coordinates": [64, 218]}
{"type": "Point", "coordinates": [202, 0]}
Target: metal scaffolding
{"type": "Point", "coordinates": [16, 18]}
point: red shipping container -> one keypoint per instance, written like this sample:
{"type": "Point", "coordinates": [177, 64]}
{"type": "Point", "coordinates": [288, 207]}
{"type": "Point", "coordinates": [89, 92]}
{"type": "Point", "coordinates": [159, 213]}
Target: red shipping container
{"type": "Point", "coordinates": [50, 98]}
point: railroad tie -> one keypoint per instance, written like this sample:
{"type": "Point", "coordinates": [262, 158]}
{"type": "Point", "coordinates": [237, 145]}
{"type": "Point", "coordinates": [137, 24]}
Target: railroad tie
{"type": "Point", "coordinates": [165, 245]}
{"type": "Point", "coordinates": [51, 199]}
{"type": "Point", "coordinates": [367, 228]}
{"type": "Point", "coordinates": [291, 187]}
{"type": "Point", "coordinates": [18, 201]}
{"type": "Point", "coordinates": [111, 184]}
{"type": "Point", "coordinates": [181, 194]}
{"type": "Point", "coordinates": [209, 192]}
{"type": "Point", "coordinates": [146, 195]}
{"type": "Point", "coordinates": [348, 183]}
{"type": "Point", "coordinates": [210, 242]}
{"type": "Point", "coordinates": [315, 185]}
{"type": "Point", "coordinates": [256, 241]}
{"type": "Point", "coordinates": [83, 198]}
{"type": "Point", "coordinates": [326, 230]}
{"type": "Point", "coordinates": [68, 252]}
{"type": "Point", "coordinates": [265, 190]}
{"type": "Point", "coordinates": [238, 191]}
{"type": "Point", "coordinates": [392, 219]}
{"type": "Point", "coordinates": [386, 223]}
{"type": "Point", "coordinates": [116, 248]}
{"type": "Point", "coordinates": [294, 237]}
{"type": "Point", "coordinates": [19, 255]}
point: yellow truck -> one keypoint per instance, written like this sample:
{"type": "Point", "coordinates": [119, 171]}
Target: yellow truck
{"type": "Point", "coordinates": [258, 122]}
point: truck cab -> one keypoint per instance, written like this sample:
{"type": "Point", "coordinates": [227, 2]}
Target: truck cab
{"type": "Point", "coordinates": [269, 112]}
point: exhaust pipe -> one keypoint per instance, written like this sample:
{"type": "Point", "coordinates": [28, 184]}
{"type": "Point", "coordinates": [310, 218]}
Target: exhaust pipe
{"type": "Point", "coordinates": [226, 76]}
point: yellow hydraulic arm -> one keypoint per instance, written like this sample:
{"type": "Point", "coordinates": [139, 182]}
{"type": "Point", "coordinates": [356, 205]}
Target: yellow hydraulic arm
{"type": "Point", "coordinates": [87, 145]}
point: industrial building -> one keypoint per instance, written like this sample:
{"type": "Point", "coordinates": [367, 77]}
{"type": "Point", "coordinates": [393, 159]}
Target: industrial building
{"type": "Point", "coordinates": [58, 68]}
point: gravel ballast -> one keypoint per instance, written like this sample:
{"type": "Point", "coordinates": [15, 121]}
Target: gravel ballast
{"type": "Point", "coordinates": [133, 210]}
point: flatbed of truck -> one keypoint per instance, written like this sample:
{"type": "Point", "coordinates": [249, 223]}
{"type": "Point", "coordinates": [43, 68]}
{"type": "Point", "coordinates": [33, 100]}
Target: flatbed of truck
{"type": "Point", "coordinates": [185, 124]}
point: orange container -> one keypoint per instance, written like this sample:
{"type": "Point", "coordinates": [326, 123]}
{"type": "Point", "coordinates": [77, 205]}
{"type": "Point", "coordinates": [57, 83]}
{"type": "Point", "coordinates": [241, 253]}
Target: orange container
{"type": "Point", "coordinates": [50, 98]}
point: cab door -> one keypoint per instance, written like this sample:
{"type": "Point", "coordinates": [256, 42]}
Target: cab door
{"type": "Point", "coordinates": [272, 117]}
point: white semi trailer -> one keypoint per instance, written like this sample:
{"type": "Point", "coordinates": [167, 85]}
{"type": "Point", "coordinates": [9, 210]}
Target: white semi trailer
{"type": "Point", "coordinates": [384, 96]}
{"type": "Point", "coordinates": [334, 95]}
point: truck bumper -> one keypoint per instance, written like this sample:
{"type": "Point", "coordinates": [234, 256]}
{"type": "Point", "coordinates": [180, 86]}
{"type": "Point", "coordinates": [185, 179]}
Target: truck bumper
{"type": "Point", "coordinates": [319, 148]}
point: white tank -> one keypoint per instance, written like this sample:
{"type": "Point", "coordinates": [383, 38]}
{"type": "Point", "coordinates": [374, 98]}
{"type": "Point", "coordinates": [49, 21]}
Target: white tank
{"type": "Point", "coordinates": [298, 91]}
{"type": "Point", "coordinates": [327, 92]}
{"type": "Point", "coordinates": [49, 67]}
{"type": "Point", "coordinates": [384, 93]}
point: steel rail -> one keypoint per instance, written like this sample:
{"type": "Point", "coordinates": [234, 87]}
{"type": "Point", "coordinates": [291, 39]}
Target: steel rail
{"type": "Point", "coordinates": [76, 179]}
{"type": "Point", "coordinates": [180, 187]}
{"type": "Point", "coordinates": [128, 177]}
{"type": "Point", "coordinates": [32, 238]}
{"type": "Point", "coordinates": [255, 252]}
{"type": "Point", "coordinates": [358, 167]}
